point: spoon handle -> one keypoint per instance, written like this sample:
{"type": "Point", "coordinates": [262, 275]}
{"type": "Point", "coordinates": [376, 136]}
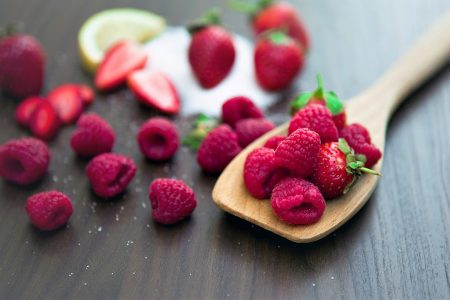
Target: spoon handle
{"type": "Point", "coordinates": [422, 60]}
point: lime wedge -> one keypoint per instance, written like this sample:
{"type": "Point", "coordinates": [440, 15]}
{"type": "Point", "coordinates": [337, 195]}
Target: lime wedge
{"type": "Point", "coordinates": [107, 27]}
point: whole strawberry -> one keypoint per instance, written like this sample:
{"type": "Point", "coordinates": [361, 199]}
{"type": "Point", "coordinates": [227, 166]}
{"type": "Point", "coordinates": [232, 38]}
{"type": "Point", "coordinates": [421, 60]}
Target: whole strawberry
{"type": "Point", "coordinates": [337, 169]}
{"type": "Point", "coordinates": [22, 65]}
{"type": "Point", "coordinates": [211, 51]}
{"type": "Point", "coordinates": [322, 97]}
{"type": "Point", "coordinates": [268, 15]}
{"type": "Point", "coordinates": [278, 60]}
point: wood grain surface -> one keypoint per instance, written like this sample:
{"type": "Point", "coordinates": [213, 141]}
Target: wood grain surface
{"type": "Point", "coordinates": [397, 246]}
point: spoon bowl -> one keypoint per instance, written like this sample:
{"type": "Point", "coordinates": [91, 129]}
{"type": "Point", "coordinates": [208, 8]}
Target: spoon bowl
{"type": "Point", "coordinates": [372, 109]}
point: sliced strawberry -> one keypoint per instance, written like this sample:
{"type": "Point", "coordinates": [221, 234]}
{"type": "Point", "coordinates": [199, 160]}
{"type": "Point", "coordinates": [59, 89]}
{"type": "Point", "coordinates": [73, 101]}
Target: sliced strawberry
{"type": "Point", "coordinates": [26, 108]}
{"type": "Point", "coordinates": [66, 100]}
{"type": "Point", "coordinates": [155, 89]}
{"type": "Point", "coordinates": [86, 94]}
{"type": "Point", "coordinates": [120, 61]}
{"type": "Point", "coordinates": [44, 121]}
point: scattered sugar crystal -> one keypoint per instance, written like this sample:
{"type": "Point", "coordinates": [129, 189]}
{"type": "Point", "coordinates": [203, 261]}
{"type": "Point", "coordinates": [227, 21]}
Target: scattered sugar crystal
{"type": "Point", "coordinates": [99, 228]}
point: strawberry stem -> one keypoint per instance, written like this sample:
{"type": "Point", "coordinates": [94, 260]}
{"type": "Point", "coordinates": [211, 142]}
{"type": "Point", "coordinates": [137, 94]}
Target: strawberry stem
{"type": "Point", "coordinates": [370, 171]}
{"type": "Point", "coordinates": [211, 17]}
{"type": "Point", "coordinates": [249, 8]}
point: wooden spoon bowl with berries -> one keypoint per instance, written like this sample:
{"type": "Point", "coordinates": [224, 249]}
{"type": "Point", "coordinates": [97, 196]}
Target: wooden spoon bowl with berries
{"type": "Point", "coordinates": [373, 109]}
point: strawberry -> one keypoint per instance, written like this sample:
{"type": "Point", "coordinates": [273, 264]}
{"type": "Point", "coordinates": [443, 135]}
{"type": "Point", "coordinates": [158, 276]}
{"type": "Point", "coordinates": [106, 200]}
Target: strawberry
{"type": "Point", "coordinates": [26, 108]}
{"type": "Point", "coordinates": [278, 60]}
{"type": "Point", "coordinates": [120, 60]}
{"type": "Point", "coordinates": [86, 94]}
{"type": "Point", "coordinates": [66, 100]}
{"type": "Point", "coordinates": [22, 65]}
{"type": "Point", "coordinates": [337, 169]}
{"type": "Point", "coordinates": [267, 15]}
{"type": "Point", "coordinates": [211, 51]}
{"type": "Point", "coordinates": [322, 97]}
{"type": "Point", "coordinates": [155, 89]}
{"type": "Point", "coordinates": [44, 121]}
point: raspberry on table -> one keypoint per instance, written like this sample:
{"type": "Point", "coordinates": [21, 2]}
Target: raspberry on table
{"type": "Point", "coordinates": [358, 138]}
{"type": "Point", "coordinates": [110, 174]}
{"type": "Point", "coordinates": [298, 152]}
{"type": "Point", "coordinates": [218, 148]}
{"type": "Point", "coordinates": [239, 108]}
{"type": "Point", "coordinates": [49, 210]}
{"type": "Point", "coordinates": [158, 139]}
{"type": "Point", "coordinates": [24, 161]}
{"type": "Point", "coordinates": [274, 141]}
{"type": "Point", "coordinates": [93, 136]}
{"type": "Point", "coordinates": [171, 200]}
{"type": "Point", "coordinates": [297, 201]}
{"type": "Point", "coordinates": [249, 130]}
{"type": "Point", "coordinates": [260, 172]}
{"type": "Point", "coordinates": [317, 118]}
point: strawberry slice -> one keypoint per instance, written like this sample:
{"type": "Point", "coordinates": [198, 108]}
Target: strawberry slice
{"type": "Point", "coordinates": [26, 108]}
{"type": "Point", "coordinates": [86, 94]}
{"type": "Point", "coordinates": [155, 89]}
{"type": "Point", "coordinates": [67, 102]}
{"type": "Point", "coordinates": [120, 61]}
{"type": "Point", "coordinates": [44, 121]}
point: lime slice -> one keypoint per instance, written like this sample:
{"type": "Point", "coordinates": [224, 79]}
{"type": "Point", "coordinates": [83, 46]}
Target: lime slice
{"type": "Point", "coordinates": [107, 27]}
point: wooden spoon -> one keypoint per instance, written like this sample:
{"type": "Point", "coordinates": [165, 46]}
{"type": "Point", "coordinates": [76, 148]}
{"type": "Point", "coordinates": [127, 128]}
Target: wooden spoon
{"type": "Point", "coordinates": [372, 108]}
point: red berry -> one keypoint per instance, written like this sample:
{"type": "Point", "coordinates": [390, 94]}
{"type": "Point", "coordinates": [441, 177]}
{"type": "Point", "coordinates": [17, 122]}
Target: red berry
{"type": "Point", "coordinates": [93, 136]}
{"type": "Point", "coordinates": [278, 60]}
{"type": "Point", "coordinates": [171, 199]}
{"type": "Point", "coordinates": [154, 89]}
{"type": "Point", "coordinates": [260, 172]}
{"type": "Point", "coordinates": [158, 139]}
{"type": "Point", "coordinates": [86, 94]}
{"type": "Point", "coordinates": [298, 152]}
{"type": "Point", "coordinates": [340, 120]}
{"type": "Point", "coordinates": [274, 141]}
{"type": "Point", "coordinates": [26, 108]}
{"type": "Point", "coordinates": [218, 148]}
{"type": "Point", "coordinates": [238, 108]}
{"type": "Point", "coordinates": [317, 118]}
{"type": "Point", "coordinates": [110, 174]}
{"type": "Point", "coordinates": [211, 55]}
{"type": "Point", "coordinates": [49, 210]}
{"type": "Point", "coordinates": [120, 60]}
{"type": "Point", "coordinates": [297, 201]}
{"type": "Point", "coordinates": [249, 130]}
{"type": "Point", "coordinates": [22, 65]}
{"type": "Point", "coordinates": [44, 121]}
{"type": "Point", "coordinates": [24, 161]}
{"type": "Point", "coordinates": [281, 16]}
{"type": "Point", "coordinates": [66, 100]}
{"type": "Point", "coordinates": [358, 138]}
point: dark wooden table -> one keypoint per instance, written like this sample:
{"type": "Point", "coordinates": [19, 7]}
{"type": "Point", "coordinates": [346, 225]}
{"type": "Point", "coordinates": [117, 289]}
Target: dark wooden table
{"type": "Point", "coordinates": [397, 246]}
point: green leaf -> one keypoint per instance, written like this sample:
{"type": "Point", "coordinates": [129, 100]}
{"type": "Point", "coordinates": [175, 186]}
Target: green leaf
{"type": "Point", "coordinates": [334, 104]}
{"type": "Point", "coordinates": [344, 147]}
{"type": "Point", "coordinates": [202, 126]}
{"type": "Point", "coordinates": [210, 17]}
{"type": "Point", "coordinates": [300, 102]}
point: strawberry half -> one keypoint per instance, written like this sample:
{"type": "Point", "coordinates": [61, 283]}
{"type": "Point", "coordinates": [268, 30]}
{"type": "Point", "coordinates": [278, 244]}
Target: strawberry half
{"type": "Point", "coordinates": [67, 102]}
{"type": "Point", "coordinates": [86, 94]}
{"type": "Point", "coordinates": [155, 89]}
{"type": "Point", "coordinates": [26, 108]}
{"type": "Point", "coordinates": [44, 121]}
{"type": "Point", "coordinates": [120, 61]}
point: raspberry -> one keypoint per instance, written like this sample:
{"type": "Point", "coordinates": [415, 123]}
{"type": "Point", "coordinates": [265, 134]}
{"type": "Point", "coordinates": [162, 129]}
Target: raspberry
{"type": "Point", "coordinates": [260, 172]}
{"type": "Point", "coordinates": [298, 152]}
{"type": "Point", "coordinates": [249, 130]}
{"type": "Point", "coordinates": [49, 210]}
{"type": "Point", "coordinates": [239, 108]}
{"type": "Point", "coordinates": [24, 161]}
{"type": "Point", "coordinates": [317, 118]}
{"type": "Point", "coordinates": [158, 139]}
{"type": "Point", "coordinates": [274, 141]}
{"type": "Point", "coordinates": [340, 120]}
{"type": "Point", "coordinates": [110, 174]}
{"type": "Point", "coordinates": [93, 136]}
{"type": "Point", "coordinates": [358, 138]}
{"type": "Point", "coordinates": [171, 199]}
{"type": "Point", "coordinates": [297, 201]}
{"type": "Point", "coordinates": [218, 148]}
